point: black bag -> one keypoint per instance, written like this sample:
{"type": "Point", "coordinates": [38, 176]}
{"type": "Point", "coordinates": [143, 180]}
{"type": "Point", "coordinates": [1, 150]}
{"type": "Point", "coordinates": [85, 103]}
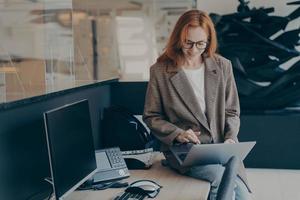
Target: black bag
{"type": "Point", "coordinates": [121, 128]}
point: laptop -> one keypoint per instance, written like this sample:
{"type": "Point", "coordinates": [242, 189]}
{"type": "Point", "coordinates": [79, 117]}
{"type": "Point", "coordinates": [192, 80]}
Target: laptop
{"type": "Point", "coordinates": [200, 154]}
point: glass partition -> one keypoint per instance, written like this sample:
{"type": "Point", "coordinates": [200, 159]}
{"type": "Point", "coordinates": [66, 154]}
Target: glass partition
{"type": "Point", "coordinates": [36, 49]}
{"type": "Point", "coordinates": [52, 45]}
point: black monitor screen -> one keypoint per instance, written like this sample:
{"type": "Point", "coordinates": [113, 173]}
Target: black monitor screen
{"type": "Point", "coordinates": [70, 146]}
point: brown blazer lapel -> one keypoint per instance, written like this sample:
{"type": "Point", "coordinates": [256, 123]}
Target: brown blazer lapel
{"type": "Point", "coordinates": [212, 75]}
{"type": "Point", "coordinates": [185, 91]}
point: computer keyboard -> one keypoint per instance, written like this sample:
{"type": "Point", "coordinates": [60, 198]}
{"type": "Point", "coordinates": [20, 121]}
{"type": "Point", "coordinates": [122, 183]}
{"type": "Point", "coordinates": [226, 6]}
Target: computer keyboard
{"type": "Point", "coordinates": [130, 196]}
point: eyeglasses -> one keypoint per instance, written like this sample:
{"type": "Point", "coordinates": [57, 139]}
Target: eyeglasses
{"type": "Point", "coordinates": [189, 44]}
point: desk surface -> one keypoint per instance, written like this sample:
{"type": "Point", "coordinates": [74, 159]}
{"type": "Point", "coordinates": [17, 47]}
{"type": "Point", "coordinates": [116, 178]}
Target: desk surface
{"type": "Point", "coordinates": [175, 186]}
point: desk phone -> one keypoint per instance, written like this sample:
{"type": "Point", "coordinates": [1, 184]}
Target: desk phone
{"type": "Point", "coordinates": [110, 165]}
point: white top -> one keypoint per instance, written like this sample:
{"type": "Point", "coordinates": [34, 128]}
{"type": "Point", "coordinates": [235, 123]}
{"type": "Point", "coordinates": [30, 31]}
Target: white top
{"type": "Point", "coordinates": [196, 79]}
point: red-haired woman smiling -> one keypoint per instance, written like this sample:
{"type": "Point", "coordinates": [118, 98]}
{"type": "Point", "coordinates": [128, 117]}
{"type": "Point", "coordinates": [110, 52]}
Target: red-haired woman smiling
{"type": "Point", "coordinates": [192, 97]}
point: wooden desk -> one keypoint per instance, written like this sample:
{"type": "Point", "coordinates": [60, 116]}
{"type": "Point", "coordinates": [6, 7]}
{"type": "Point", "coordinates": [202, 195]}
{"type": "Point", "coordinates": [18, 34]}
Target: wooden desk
{"type": "Point", "coordinates": [175, 186]}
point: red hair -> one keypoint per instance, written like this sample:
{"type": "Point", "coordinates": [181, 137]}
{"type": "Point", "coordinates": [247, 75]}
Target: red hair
{"type": "Point", "coordinates": [194, 18]}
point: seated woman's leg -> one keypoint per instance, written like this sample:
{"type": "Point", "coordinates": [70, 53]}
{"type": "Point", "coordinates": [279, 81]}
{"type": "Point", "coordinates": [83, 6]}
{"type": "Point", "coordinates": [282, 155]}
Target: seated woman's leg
{"type": "Point", "coordinates": [228, 182]}
{"type": "Point", "coordinates": [210, 173]}
{"type": "Point", "coordinates": [241, 191]}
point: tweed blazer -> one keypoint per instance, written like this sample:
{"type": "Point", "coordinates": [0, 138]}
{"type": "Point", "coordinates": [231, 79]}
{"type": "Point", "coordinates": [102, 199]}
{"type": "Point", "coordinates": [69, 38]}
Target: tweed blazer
{"type": "Point", "coordinates": [171, 106]}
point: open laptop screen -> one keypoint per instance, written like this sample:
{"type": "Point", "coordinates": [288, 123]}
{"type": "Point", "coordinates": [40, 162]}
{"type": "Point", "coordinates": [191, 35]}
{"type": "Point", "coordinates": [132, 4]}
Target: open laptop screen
{"type": "Point", "coordinates": [70, 146]}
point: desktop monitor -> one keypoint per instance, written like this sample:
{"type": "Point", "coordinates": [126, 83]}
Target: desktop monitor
{"type": "Point", "coordinates": [70, 147]}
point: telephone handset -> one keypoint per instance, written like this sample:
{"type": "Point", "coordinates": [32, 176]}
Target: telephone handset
{"type": "Point", "coordinates": [110, 165]}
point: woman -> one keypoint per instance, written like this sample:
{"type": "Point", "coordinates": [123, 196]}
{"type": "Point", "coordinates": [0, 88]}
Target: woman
{"type": "Point", "coordinates": [192, 97]}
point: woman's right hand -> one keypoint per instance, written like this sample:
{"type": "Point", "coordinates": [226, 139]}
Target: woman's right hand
{"type": "Point", "coordinates": [188, 136]}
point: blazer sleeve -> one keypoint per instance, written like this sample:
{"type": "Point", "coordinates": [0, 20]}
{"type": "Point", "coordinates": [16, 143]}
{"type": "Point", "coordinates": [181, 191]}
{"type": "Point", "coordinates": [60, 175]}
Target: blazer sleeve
{"type": "Point", "coordinates": [232, 106]}
{"type": "Point", "coordinates": [154, 116]}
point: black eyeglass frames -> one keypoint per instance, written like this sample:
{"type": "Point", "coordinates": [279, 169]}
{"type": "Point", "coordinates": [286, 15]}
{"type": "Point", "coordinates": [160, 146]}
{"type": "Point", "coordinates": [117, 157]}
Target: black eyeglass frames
{"type": "Point", "coordinates": [199, 44]}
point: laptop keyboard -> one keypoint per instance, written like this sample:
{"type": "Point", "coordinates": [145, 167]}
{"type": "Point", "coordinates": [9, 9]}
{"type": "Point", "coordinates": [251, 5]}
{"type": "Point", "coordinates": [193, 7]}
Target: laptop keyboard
{"type": "Point", "coordinates": [182, 148]}
{"type": "Point", "coordinates": [182, 156]}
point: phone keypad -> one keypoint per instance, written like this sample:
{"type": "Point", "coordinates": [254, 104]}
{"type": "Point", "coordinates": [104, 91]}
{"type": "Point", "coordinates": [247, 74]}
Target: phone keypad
{"type": "Point", "coordinates": [115, 158]}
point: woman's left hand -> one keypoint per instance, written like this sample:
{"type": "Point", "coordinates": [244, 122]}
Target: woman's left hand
{"type": "Point", "coordinates": [229, 141]}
